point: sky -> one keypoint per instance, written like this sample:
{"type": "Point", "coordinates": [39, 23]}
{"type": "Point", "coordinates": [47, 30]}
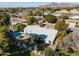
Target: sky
{"type": "Point", "coordinates": [24, 4]}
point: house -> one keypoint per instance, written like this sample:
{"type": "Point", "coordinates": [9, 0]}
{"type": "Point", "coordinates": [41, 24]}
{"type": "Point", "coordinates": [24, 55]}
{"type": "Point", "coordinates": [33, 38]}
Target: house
{"type": "Point", "coordinates": [49, 33]}
{"type": "Point", "coordinates": [74, 14]}
{"type": "Point", "coordinates": [74, 17]}
{"type": "Point", "coordinates": [74, 11]}
{"type": "Point", "coordinates": [39, 17]}
{"type": "Point", "coordinates": [72, 26]}
{"type": "Point", "coordinates": [46, 13]}
{"type": "Point", "coordinates": [14, 20]}
{"type": "Point", "coordinates": [57, 13]}
{"type": "Point", "coordinates": [65, 11]}
{"type": "Point", "coordinates": [61, 12]}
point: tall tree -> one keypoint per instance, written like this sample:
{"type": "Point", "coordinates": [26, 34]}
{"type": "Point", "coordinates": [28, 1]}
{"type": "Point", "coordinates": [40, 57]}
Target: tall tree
{"type": "Point", "coordinates": [51, 18]}
{"type": "Point", "coordinates": [31, 20]}
{"type": "Point", "coordinates": [4, 19]}
{"type": "Point", "coordinates": [19, 27]}
{"type": "Point", "coordinates": [61, 25]}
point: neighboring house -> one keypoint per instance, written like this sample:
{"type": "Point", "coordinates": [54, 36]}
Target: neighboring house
{"type": "Point", "coordinates": [61, 12]}
{"type": "Point", "coordinates": [65, 11]}
{"type": "Point", "coordinates": [14, 21]}
{"type": "Point", "coordinates": [57, 13]}
{"type": "Point", "coordinates": [39, 17]}
{"type": "Point", "coordinates": [71, 21]}
{"type": "Point", "coordinates": [74, 16]}
{"type": "Point", "coordinates": [72, 26]}
{"type": "Point", "coordinates": [49, 33]}
{"type": "Point", "coordinates": [46, 13]}
{"type": "Point", "coordinates": [74, 11]}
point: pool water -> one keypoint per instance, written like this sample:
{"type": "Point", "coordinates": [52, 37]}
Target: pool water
{"type": "Point", "coordinates": [16, 34]}
{"type": "Point", "coordinates": [20, 34]}
{"type": "Point", "coordinates": [41, 37]}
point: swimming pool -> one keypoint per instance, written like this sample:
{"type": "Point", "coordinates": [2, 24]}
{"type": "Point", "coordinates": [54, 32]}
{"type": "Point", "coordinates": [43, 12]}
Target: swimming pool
{"type": "Point", "coordinates": [21, 34]}
{"type": "Point", "coordinates": [16, 34]}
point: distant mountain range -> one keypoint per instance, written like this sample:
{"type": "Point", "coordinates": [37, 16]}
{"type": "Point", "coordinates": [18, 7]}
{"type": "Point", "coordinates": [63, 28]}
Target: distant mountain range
{"type": "Point", "coordinates": [54, 4]}
{"type": "Point", "coordinates": [37, 4]}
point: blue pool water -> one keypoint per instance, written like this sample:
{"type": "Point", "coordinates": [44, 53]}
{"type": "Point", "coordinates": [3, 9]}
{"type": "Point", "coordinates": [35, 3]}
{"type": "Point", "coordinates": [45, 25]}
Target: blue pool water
{"type": "Point", "coordinates": [42, 37]}
{"type": "Point", "coordinates": [16, 34]}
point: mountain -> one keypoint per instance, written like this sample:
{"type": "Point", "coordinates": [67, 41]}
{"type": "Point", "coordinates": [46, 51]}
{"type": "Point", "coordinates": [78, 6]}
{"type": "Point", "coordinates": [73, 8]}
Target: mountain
{"type": "Point", "coordinates": [54, 4]}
